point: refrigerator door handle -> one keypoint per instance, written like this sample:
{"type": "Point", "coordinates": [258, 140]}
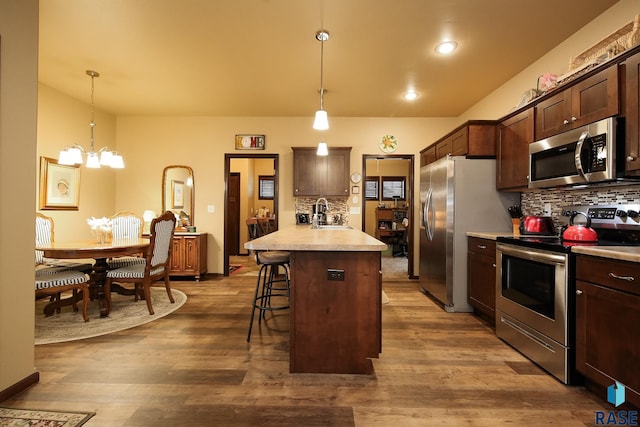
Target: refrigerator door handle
{"type": "Point", "coordinates": [426, 214]}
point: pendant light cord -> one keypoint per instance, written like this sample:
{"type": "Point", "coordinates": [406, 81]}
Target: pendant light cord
{"type": "Point", "coordinates": [92, 123]}
{"type": "Point", "coordinates": [322, 73]}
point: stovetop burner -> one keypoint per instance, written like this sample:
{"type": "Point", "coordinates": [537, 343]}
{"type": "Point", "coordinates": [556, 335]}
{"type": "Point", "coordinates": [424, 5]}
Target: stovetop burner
{"type": "Point", "coordinates": [616, 225]}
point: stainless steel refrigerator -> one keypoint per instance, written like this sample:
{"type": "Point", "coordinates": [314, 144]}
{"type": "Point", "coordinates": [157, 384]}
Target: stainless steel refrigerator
{"type": "Point", "coordinates": [457, 195]}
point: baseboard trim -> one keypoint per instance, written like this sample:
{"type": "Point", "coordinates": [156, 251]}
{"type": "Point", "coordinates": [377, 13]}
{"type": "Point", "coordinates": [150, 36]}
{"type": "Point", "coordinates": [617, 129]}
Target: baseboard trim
{"type": "Point", "coordinates": [20, 386]}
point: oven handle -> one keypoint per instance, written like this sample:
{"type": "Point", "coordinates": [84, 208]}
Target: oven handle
{"type": "Point", "coordinates": [578, 154]}
{"type": "Point", "coordinates": [531, 254]}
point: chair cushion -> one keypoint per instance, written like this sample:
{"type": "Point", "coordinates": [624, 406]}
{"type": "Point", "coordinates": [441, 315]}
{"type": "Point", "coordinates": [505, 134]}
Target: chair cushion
{"type": "Point", "coordinates": [59, 278]}
{"type": "Point", "coordinates": [125, 261]}
{"type": "Point", "coordinates": [135, 271]}
{"type": "Point", "coordinates": [273, 257]}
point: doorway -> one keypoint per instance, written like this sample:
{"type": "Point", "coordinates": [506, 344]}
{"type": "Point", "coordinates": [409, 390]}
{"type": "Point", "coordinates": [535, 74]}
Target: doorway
{"type": "Point", "coordinates": [242, 191]}
{"type": "Point", "coordinates": [393, 167]}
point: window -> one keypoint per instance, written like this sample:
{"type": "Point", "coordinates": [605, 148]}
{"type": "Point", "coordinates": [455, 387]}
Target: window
{"type": "Point", "coordinates": [266, 185]}
{"type": "Point", "coordinates": [372, 188]}
{"type": "Point", "coordinates": [393, 188]}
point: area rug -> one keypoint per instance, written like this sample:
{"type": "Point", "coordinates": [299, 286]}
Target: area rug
{"type": "Point", "coordinates": [234, 268]}
{"type": "Point", "coordinates": [125, 313]}
{"type": "Point", "coordinates": [13, 417]}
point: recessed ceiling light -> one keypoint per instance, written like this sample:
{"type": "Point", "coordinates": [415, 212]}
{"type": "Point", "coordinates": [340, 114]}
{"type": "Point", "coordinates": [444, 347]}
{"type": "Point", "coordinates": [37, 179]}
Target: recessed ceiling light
{"type": "Point", "coordinates": [410, 95]}
{"type": "Point", "coordinates": [446, 48]}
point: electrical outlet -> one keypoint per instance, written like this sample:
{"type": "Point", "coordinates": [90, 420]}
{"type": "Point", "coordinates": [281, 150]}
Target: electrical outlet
{"type": "Point", "coordinates": [211, 208]}
{"type": "Point", "coordinates": [333, 274]}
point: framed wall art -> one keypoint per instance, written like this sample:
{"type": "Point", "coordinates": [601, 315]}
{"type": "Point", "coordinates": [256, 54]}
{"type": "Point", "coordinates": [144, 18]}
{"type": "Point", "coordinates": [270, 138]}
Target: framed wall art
{"type": "Point", "coordinates": [250, 142]}
{"type": "Point", "coordinates": [177, 194]}
{"type": "Point", "coordinates": [59, 185]}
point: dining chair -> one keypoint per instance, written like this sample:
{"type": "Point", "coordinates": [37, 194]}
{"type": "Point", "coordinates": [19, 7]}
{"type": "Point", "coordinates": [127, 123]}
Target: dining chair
{"type": "Point", "coordinates": [45, 236]}
{"type": "Point", "coordinates": [156, 265]}
{"type": "Point", "coordinates": [126, 225]}
{"type": "Point", "coordinates": [52, 282]}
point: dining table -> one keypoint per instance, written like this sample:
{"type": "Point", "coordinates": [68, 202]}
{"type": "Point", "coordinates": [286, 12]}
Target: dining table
{"type": "Point", "coordinates": [100, 253]}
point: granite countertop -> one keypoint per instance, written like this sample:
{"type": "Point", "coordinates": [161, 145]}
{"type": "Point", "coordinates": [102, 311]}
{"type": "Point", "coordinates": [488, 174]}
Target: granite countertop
{"type": "Point", "coordinates": [491, 235]}
{"type": "Point", "coordinates": [622, 253]}
{"type": "Point", "coordinates": [304, 238]}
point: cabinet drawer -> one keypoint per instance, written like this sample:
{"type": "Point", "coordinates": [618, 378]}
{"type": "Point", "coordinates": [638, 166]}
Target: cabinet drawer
{"type": "Point", "coordinates": [482, 246]}
{"type": "Point", "coordinates": [621, 275]}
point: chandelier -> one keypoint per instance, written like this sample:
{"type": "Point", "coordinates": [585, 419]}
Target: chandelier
{"type": "Point", "coordinates": [103, 157]}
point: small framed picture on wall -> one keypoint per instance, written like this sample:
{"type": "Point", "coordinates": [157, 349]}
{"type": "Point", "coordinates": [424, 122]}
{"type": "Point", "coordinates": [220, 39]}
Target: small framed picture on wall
{"type": "Point", "coordinates": [250, 142]}
{"type": "Point", "coordinates": [59, 185]}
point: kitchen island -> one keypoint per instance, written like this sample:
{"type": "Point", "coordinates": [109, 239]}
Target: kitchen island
{"type": "Point", "coordinates": [335, 301]}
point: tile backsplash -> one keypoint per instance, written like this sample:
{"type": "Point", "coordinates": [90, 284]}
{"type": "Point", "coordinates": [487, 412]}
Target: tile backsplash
{"type": "Point", "coordinates": [533, 202]}
{"type": "Point", "coordinates": [337, 205]}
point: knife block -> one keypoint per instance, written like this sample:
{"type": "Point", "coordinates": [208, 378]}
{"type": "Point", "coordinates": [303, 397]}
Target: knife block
{"type": "Point", "coordinates": [515, 222]}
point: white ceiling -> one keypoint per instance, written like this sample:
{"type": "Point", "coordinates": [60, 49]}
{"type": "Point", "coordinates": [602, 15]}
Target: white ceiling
{"type": "Point", "coordinates": [260, 57]}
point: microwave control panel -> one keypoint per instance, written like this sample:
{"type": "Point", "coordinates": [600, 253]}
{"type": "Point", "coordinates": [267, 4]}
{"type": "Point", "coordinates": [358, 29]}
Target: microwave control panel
{"type": "Point", "coordinates": [597, 154]}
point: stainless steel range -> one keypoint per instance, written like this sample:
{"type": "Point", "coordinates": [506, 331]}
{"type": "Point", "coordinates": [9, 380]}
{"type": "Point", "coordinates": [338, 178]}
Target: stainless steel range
{"type": "Point", "coordinates": [535, 286]}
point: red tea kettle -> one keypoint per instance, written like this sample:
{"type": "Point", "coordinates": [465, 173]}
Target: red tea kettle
{"type": "Point", "coordinates": [579, 232]}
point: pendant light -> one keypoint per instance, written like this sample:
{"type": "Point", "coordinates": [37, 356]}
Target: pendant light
{"type": "Point", "coordinates": [103, 157]}
{"type": "Point", "coordinates": [321, 121]}
{"type": "Point", "coordinates": [323, 150]}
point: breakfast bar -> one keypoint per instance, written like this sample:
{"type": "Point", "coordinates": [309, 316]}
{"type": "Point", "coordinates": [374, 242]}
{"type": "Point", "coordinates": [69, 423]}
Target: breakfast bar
{"type": "Point", "coordinates": [335, 301]}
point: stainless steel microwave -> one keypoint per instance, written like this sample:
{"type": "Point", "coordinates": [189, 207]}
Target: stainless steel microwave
{"type": "Point", "coordinates": [579, 156]}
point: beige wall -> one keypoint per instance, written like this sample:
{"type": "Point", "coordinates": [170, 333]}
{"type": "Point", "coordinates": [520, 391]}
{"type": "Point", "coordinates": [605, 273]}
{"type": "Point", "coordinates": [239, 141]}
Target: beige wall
{"type": "Point", "coordinates": [63, 121]}
{"type": "Point", "coordinates": [200, 142]}
{"type": "Point", "coordinates": [18, 100]}
{"type": "Point", "coordinates": [503, 100]}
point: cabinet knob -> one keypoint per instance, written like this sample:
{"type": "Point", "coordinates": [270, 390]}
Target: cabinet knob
{"type": "Point", "coordinates": [494, 265]}
{"type": "Point", "coordinates": [578, 292]}
{"type": "Point", "coordinates": [565, 122]}
{"type": "Point", "coordinates": [573, 119]}
{"type": "Point", "coordinates": [631, 159]}
{"type": "Point", "coordinates": [483, 247]}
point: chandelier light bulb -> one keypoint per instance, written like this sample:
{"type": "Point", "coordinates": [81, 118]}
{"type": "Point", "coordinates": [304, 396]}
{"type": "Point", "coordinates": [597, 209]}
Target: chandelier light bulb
{"type": "Point", "coordinates": [93, 161]}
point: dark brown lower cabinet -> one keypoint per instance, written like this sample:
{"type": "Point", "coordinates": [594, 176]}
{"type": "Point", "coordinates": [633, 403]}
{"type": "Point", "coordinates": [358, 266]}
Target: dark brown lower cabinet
{"type": "Point", "coordinates": [608, 324]}
{"type": "Point", "coordinates": [336, 312]}
{"type": "Point", "coordinates": [481, 277]}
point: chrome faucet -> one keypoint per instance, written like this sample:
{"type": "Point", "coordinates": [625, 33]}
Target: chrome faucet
{"type": "Point", "coordinates": [316, 216]}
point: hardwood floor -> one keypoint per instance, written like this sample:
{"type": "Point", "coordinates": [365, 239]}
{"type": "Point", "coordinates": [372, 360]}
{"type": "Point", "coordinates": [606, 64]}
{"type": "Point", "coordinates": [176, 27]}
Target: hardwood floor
{"type": "Point", "coordinates": [195, 368]}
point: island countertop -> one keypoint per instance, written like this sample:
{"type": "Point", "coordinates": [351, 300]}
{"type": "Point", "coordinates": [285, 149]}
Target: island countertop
{"type": "Point", "coordinates": [304, 238]}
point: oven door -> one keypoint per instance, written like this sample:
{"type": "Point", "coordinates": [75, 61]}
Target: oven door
{"type": "Point", "coordinates": [531, 287]}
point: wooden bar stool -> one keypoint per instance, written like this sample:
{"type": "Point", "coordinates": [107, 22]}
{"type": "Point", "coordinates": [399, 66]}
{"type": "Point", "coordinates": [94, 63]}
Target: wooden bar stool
{"type": "Point", "coordinates": [268, 285]}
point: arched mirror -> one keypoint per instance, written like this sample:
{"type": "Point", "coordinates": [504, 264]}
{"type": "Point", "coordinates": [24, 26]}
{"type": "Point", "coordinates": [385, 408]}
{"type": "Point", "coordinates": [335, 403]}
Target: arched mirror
{"type": "Point", "coordinates": [178, 193]}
